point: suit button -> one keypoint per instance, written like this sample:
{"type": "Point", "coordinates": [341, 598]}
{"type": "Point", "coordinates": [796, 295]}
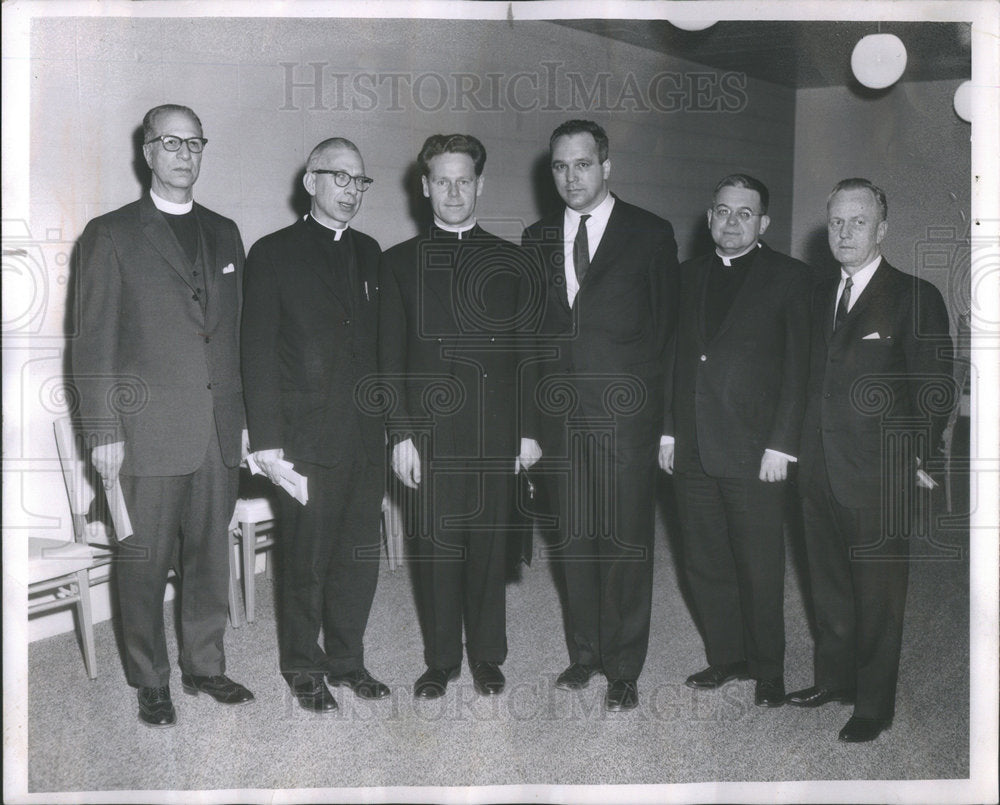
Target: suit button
{"type": "Point", "coordinates": [492, 339]}
{"type": "Point", "coordinates": [827, 395]}
{"type": "Point", "coordinates": [485, 375]}
{"type": "Point", "coordinates": [209, 386]}
{"type": "Point", "coordinates": [704, 357]}
{"type": "Point", "coordinates": [346, 322]}
{"type": "Point", "coordinates": [207, 339]}
{"type": "Point", "coordinates": [440, 340]}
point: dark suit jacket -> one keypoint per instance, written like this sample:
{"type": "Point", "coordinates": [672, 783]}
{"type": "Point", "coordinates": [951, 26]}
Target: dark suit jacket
{"type": "Point", "coordinates": [731, 397]}
{"type": "Point", "coordinates": [609, 347]}
{"type": "Point", "coordinates": [858, 385]}
{"type": "Point", "coordinates": [448, 341]}
{"type": "Point", "coordinates": [305, 352]}
{"type": "Point", "coordinates": [150, 363]}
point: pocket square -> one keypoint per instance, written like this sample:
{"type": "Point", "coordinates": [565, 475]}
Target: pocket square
{"type": "Point", "coordinates": [874, 335]}
{"type": "Point", "coordinates": [229, 269]}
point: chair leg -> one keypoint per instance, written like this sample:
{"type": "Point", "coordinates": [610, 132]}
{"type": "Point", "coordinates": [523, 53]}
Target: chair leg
{"type": "Point", "coordinates": [249, 567]}
{"type": "Point", "coordinates": [268, 565]}
{"type": "Point", "coordinates": [234, 604]}
{"type": "Point", "coordinates": [86, 614]}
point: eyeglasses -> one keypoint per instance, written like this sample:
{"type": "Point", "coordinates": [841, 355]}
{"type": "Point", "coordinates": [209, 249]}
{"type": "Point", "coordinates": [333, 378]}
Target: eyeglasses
{"type": "Point", "coordinates": [343, 178]}
{"type": "Point", "coordinates": [171, 143]}
{"type": "Point", "coordinates": [743, 215]}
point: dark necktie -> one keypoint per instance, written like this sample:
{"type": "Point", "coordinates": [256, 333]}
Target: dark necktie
{"type": "Point", "coordinates": [845, 300]}
{"type": "Point", "coordinates": [581, 250]}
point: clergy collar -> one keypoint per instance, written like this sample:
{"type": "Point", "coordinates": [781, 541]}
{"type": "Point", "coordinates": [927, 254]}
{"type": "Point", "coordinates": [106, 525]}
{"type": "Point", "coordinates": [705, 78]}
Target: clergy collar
{"type": "Point", "coordinates": [737, 259]}
{"type": "Point", "coordinates": [171, 207]}
{"type": "Point", "coordinates": [337, 233]}
{"type": "Point", "coordinates": [457, 231]}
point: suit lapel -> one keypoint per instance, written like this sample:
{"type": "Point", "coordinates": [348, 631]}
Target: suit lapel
{"type": "Point", "coordinates": [614, 241]}
{"type": "Point", "coordinates": [209, 266]}
{"type": "Point", "coordinates": [877, 287]}
{"type": "Point", "coordinates": [827, 303]}
{"type": "Point", "coordinates": [158, 232]}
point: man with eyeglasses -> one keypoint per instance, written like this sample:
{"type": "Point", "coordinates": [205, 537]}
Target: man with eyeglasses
{"type": "Point", "coordinates": [448, 345]}
{"type": "Point", "coordinates": [156, 362]}
{"type": "Point", "coordinates": [310, 321]}
{"type": "Point", "coordinates": [736, 395]}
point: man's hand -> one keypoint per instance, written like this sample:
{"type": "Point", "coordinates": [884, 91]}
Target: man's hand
{"type": "Point", "coordinates": [667, 458]}
{"type": "Point", "coordinates": [530, 453]}
{"type": "Point", "coordinates": [406, 463]}
{"type": "Point", "coordinates": [773, 467]}
{"type": "Point", "coordinates": [268, 461]}
{"type": "Point", "coordinates": [107, 459]}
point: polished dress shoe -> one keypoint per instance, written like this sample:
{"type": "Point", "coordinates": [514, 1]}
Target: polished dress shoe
{"type": "Point", "coordinates": [364, 685]}
{"type": "Point", "coordinates": [488, 678]}
{"type": "Point", "coordinates": [312, 694]}
{"type": "Point", "coordinates": [817, 697]}
{"type": "Point", "coordinates": [220, 687]}
{"type": "Point", "coordinates": [155, 707]}
{"type": "Point", "coordinates": [623, 694]}
{"type": "Point", "coordinates": [716, 675]}
{"type": "Point", "coordinates": [575, 677]}
{"type": "Point", "coordinates": [770, 692]}
{"type": "Point", "coordinates": [861, 730]}
{"type": "Point", "coordinates": [434, 682]}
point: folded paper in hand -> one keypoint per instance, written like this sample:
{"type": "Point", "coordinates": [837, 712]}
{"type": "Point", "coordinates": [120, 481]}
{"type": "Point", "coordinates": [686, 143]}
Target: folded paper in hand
{"type": "Point", "coordinates": [119, 513]}
{"type": "Point", "coordinates": [294, 483]}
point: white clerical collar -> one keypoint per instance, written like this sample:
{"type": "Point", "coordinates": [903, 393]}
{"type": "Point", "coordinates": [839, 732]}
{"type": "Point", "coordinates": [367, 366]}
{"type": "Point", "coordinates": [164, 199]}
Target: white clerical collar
{"type": "Point", "coordinates": [727, 260]}
{"type": "Point", "coordinates": [337, 233]}
{"type": "Point", "coordinates": [456, 229]}
{"type": "Point", "coordinates": [171, 207]}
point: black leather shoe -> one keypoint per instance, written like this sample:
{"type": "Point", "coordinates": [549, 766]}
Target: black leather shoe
{"type": "Point", "coordinates": [575, 677]}
{"type": "Point", "coordinates": [717, 675]}
{"type": "Point", "coordinates": [817, 697]}
{"type": "Point", "coordinates": [770, 692]}
{"type": "Point", "coordinates": [623, 694]}
{"type": "Point", "coordinates": [364, 685]}
{"type": "Point", "coordinates": [155, 707]}
{"type": "Point", "coordinates": [488, 678]}
{"type": "Point", "coordinates": [220, 687]}
{"type": "Point", "coordinates": [312, 694]}
{"type": "Point", "coordinates": [434, 682]}
{"type": "Point", "coordinates": [861, 730]}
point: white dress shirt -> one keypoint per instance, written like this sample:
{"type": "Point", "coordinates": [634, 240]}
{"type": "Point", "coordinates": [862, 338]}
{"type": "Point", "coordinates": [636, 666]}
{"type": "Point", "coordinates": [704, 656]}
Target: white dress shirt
{"type": "Point", "coordinates": [596, 225]}
{"type": "Point", "coordinates": [861, 279]}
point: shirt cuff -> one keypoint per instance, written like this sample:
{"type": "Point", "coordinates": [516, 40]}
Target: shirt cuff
{"type": "Point", "coordinates": [665, 440]}
{"type": "Point", "coordinates": [779, 453]}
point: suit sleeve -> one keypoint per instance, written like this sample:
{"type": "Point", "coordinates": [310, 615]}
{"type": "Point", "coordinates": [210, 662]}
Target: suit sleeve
{"type": "Point", "coordinates": [259, 333]}
{"type": "Point", "coordinates": [928, 343]}
{"type": "Point", "coordinates": [94, 353]}
{"type": "Point", "coordinates": [531, 297]}
{"type": "Point", "coordinates": [664, 283]}
{"type": "Point", "coordinates": [786, 427]}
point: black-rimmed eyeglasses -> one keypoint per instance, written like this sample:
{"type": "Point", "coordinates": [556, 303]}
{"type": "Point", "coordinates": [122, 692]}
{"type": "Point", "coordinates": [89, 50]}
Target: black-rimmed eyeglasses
{"type": "Point", "coordinates": [171, 143]}
{"type": "Point", "coordinates": [343, 178]}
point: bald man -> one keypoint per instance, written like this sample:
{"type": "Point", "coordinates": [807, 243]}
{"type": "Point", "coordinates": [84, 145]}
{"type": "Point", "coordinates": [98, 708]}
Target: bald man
{"type": "Point", "coordinates": [309, 326]}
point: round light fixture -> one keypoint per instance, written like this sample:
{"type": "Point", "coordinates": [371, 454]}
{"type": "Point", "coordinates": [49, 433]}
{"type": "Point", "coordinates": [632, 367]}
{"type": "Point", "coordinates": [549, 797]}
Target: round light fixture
{"type": "Point", "coordinates": [878, 60]}
{"type": "Point", "coordinates": [693, 24]}
{"type": "Point", "coordinates": [963, 101]}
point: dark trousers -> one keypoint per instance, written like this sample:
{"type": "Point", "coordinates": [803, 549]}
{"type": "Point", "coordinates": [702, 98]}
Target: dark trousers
{"type": "Point", "coordinates": [604, 504]}
{"type": "Point", "coordinates": [858, 602]}
{"type": "Point", "coordinates": [179, 521]}
{"type": "Point", "coordinates": [459, 559]}
{"type": "Point", "coordinates": [734, 563]}
{"type": "Point", "coordinates": [329, 566]}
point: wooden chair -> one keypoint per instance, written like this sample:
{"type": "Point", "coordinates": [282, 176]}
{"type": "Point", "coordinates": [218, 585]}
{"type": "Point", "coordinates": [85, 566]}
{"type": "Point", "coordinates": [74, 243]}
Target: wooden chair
{"type": "Point", "coordinates": [60, 571]}
{"type": "Point", "coordinates": [254, 527]}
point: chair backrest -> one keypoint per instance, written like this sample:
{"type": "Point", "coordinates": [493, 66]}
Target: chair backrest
{"type": "Point", "coordinates": [82, 483]}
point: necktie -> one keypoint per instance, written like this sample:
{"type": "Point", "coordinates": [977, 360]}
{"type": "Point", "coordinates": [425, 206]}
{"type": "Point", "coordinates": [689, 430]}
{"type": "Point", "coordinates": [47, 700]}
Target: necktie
{"type": "Point", "coordinates": [581, 250]}
{"type": "Point", "coordinates": [845, 300]}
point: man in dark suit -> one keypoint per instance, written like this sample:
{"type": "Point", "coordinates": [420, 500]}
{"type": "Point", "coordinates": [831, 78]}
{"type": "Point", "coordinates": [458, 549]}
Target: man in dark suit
{"type": "Point", "coordinates": [449, 325]}
{"type": "Point", "coordinates": [608, 271]}
{"type": "Point", "coordinates": [878, 398]}
{"type": "Point", "coordinates": [156, 363]}
{"type": "Point", "coordinates": [735, 401]}
{"type": "Point", "coordinates": [310, 321]}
